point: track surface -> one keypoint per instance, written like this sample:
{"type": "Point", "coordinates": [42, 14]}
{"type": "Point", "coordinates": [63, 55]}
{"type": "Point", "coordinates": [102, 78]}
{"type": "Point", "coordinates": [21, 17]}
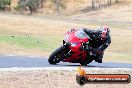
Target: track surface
{"type": "Point", "coordinates": [27, 62]}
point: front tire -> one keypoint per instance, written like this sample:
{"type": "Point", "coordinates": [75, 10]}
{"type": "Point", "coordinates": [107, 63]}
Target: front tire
{"type": "Point", "coordinates": [55, 57]}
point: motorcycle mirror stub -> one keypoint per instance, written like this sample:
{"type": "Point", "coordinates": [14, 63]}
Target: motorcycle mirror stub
{"type": "Point", "coordinates": [67, 43]}
{"type": "Point", "coordinates": [64, 42]}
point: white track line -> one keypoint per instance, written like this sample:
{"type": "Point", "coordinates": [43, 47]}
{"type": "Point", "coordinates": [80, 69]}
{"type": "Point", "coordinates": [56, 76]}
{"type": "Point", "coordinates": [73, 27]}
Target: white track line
{"type": "Point", "coordinates": [14, 69]}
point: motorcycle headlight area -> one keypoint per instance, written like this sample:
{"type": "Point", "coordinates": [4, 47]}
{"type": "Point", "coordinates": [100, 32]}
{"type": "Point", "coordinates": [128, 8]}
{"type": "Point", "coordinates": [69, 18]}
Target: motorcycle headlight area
{"type": "Point", "coordinates": [73, 44]}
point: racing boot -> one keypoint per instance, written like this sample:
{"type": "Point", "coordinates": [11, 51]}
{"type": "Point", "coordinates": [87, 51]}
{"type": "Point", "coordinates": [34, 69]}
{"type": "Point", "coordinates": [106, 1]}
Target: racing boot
{"type": "Point", "coordinates": [98, 58]}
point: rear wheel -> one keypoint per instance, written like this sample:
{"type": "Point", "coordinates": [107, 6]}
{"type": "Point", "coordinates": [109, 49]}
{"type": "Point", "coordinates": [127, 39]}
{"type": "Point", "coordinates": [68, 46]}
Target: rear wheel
{"type": "Point", "coordinates": [86, 62]}
{"type": "Point", "coordinates": [56, 56]}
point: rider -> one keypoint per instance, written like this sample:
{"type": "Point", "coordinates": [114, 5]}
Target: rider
{"type": "Point", "coordinates": [101, 39]}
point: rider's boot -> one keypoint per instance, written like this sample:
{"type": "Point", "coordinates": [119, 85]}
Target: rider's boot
{"type": "Point", "coordinates": [98, 58]}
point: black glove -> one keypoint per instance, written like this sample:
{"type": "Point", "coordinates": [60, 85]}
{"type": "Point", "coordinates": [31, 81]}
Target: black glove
{"type": "Point", "coordinates": [90, 48]}
{"type": "Point", "coordinates": [86, 48]}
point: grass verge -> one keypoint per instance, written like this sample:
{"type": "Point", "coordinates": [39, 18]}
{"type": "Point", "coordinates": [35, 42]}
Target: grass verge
{"type": "Point", "coordinates": [43, 43]}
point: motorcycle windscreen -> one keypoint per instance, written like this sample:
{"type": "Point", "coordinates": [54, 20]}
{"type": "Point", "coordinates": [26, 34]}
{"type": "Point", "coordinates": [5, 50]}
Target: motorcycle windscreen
{"type": "Point", "coordinates": [76, 37]}
{"type": "Point", "coordinates": [81, 34]}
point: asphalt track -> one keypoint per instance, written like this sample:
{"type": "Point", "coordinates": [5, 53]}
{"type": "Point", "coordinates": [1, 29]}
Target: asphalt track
{"type": "Point", "coordinates": [29, 62]}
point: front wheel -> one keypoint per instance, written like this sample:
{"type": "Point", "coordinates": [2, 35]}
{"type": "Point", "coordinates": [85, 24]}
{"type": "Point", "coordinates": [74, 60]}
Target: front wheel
{"type": "Point", "coordinates": [56, 56]}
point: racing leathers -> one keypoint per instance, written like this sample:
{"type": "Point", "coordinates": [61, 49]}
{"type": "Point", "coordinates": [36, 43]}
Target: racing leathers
{"type": "Point", "coordinates": [97, 43]}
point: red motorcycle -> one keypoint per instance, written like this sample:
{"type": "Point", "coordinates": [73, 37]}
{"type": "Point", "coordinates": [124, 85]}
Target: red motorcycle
{"type": "Point", "coordinates": [74, 49]}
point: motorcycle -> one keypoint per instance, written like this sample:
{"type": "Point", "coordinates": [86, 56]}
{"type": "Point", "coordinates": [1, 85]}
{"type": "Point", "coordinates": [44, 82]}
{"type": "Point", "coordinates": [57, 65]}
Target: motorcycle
{"type": "Point", "coordinates": [74, 49]}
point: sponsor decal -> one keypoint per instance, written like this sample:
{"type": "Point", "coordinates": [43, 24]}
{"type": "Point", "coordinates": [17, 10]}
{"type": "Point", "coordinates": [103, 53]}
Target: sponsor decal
{"type": "Point", "coordinates": [83, 78]}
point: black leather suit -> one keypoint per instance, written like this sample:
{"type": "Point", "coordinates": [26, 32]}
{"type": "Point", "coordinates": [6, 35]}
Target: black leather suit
{"type": "Point", "coordinates": [97, 43]}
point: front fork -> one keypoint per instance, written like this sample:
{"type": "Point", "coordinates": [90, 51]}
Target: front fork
{"type": "Point", "coordinates": [66, 49]}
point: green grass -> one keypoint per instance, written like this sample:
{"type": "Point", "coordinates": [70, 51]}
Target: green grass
{"type": "Point", "coordinates": [45, 43]}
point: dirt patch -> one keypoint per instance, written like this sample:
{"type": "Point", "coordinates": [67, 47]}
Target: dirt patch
{"type": "Point", "coordinates": [121, 11]}
{"type": "Point", "coordinates": [55, 79]}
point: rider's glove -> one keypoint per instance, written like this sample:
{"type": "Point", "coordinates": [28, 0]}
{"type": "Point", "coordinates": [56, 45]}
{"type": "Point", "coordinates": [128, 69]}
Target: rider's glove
{"type": "Point", "coordinates": [90, 48]}
{"type": "Point", "coordinates": [86, 48]}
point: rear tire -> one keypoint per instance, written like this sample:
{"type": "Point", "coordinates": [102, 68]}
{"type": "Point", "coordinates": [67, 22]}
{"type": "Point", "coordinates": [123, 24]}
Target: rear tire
{"type": "Point", "coordinates": [55, 57]}
{"type": "Point", "coordinates": [86, 62]}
